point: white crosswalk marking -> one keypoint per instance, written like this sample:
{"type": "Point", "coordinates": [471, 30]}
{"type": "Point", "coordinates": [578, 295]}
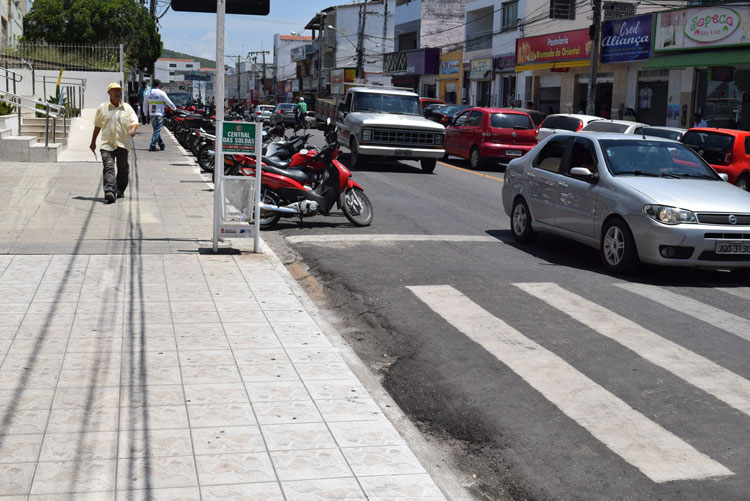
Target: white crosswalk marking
{"type": "Point", "coordinates": [742, 292]}
{"type": "Point", "coordinates": [656, 452]}
{"type": "Point", "coordinates": [710, 377]}
{"type": "Point", "coordinates": [388, 238]}
{"type": "Point", "coordinates": [718, 318]}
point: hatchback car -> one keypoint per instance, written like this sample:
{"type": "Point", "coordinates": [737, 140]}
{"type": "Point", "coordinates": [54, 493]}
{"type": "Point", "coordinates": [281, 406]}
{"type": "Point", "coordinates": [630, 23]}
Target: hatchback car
{"type": "Point", "coordinates": [619, 126]}
{"type": "Point", "coordinates": [727, 150]}
{"type": "Point", "coordinates": [636, 200]}
{"type": "Point", "coordinates": [490, 134]}
{"type": "Point", "coordinates": [564, 122]}
{"type": "Point", "coordinates": [284, 114]}
{"type": "Point", "coordinates": [263, 112]}
{"type": "Point", "coordinates": [674, 133]}
{"type": "Point", "coordinates": [446, 113]}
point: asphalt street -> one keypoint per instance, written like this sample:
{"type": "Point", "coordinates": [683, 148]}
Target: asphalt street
{"type": "Point", "coordinates": [543, 376]}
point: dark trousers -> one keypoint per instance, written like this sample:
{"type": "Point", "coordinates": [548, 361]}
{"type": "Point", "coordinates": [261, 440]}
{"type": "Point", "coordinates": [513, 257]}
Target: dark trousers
{"type": "Point", "coordinates": [114, 184]}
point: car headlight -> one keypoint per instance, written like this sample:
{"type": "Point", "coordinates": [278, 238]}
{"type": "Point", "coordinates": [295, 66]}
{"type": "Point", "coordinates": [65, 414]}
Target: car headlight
{"type": "Point", "coordinates": [439, 139]}
{"type": "Point", "coordinates": [669, 215]}
{"type": "Point", "coordinates": [366, 135]}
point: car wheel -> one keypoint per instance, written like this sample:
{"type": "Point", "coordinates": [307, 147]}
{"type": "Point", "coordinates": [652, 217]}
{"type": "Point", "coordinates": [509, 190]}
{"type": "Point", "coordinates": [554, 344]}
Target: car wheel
{"type": "Point", "coordinates": [428, 165]}
{"type": "Point", "coordinates": [520, 222]}
{"type": "Point", "coordinates": [617, 248]}
{"type": "Point", "coordinates": [475, 160]}
{"type": "Point", "coordinates": [744, 182]}
{"type": "Point", "coordinates": [358, 161]}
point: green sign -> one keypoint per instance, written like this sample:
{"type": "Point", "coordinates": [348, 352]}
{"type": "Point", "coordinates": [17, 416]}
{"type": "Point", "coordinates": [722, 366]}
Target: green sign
{"type": "Point", "coordinates": [238, 137]}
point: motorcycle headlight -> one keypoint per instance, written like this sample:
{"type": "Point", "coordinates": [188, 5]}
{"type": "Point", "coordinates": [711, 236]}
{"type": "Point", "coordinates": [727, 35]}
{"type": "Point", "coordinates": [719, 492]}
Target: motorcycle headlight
{"type": "Point", "coordinates": [669, 215]}
{"type": "Point", "coordinates": [366, 135]}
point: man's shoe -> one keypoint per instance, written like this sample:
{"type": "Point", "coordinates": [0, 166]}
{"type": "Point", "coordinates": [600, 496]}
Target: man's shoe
{"type": "Point", "coordinates": [120, 194]}
{"type": "Point", "coordinates": [110, 197]}
{"type": "Point", "coordinates": [152, 148]}
{"type": "Point", "coordinates": [161, 147]}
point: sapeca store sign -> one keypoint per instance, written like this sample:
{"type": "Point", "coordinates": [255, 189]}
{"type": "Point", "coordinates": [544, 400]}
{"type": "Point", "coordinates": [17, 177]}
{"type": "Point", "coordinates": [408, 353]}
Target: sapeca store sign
{"type": "Point", "coordinates": [702, 28]}
{"type": "Point", "coordinates": [626, 39]}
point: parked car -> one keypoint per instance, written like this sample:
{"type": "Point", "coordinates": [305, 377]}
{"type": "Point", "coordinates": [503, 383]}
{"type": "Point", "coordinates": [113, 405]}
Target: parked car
{"type": "Point", "coordinates": [445, 114]}
{"type": "Point", "coordinates": [263, 112]}
{"type": "Point", "coordinates": [636, 200]}
{"type": "Point", "coordinates": [426, 101]}
{"type": "Point", "coordinates": [727, 150]}
{"type": "Point", "coordinates": [427, 111]}
{"type": "Point", "coordinates": [618, 126]}
{"type": "Point", "coordinates": [674, 133]}
{"type": "Point", "coordinates": [490, 134]}
{"type": "Point", "coordinates": [179, 98]}
{"type": "Point", "coordinates": [283, 113]}
{"type": "Point", "coordinates": [564, 122]}
{"type": "Point", "coordinates": [536, 115]}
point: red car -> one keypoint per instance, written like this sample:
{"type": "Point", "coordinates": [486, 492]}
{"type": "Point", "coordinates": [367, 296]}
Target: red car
{"type": "Point", "coordinates": [727, 150]}
{"type": "Point", "coordinates": [425, 101]}
{"type": "Point", "coordinates": [490, 134]}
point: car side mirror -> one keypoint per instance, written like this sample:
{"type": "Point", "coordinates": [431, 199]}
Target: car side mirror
{"type": "Point", "coordinates": [724, 177]}
{"type": "Point", "coordinates": [581, 172]}
{"type": "Point", "coordinates": [342, 108]}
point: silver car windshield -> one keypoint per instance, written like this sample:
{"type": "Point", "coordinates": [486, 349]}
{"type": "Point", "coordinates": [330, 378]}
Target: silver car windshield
{"type": "Point", "coordinates": [386, 103]}
{"type": "Point", "coordinates": [654, 159]}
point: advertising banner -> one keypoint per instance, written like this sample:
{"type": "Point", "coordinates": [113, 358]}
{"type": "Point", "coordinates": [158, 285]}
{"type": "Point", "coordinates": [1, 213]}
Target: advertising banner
{"type": "Point", "coordinates": [480, 69]}
{"type": "Point", "coordinates": [449, 67]}
{"type": "Point", "coordinates": [702, 28]}
{"type": "Point", "coordinates": [422, 61]}
{"type": "Point", "coordinates": [298, 53]}
{"type": "Point", "coordinates": [565, 46]}
{"type": "Point", "coordinates": [295, 85]}
{"type": "Point", "coordinates": [626, 39]}
{"type": "Point", "coordinates": [238, 137]}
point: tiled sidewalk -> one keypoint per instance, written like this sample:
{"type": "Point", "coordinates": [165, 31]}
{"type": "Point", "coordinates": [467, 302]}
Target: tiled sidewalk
{"type": "Point", "coordinates": [175, 375]}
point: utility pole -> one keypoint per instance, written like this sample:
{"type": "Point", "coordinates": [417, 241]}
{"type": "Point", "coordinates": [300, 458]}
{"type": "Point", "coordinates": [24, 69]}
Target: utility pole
{"type": "Point", "coordinates": [595, 32]}
{"type": "Point", "coordinates": [152, 9]}
{"type": "Point", "coordinates": [361, 39]}
{"type": "Point", "coordinates": [263, 78]}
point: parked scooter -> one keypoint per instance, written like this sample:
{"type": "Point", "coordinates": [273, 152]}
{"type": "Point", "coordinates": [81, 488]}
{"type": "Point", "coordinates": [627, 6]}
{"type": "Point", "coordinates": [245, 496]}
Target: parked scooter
{"type": "Point", "coordinates": [312, 183]}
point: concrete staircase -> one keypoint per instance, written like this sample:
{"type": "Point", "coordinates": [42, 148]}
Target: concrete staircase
{"type": "Point", "coordinates": [34, 126]}
{"type": "Point", "coordinates": [26, 148]}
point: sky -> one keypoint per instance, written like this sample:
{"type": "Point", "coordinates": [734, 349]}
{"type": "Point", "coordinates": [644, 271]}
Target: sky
{"type": "Point", "coordinates": [195, 33]}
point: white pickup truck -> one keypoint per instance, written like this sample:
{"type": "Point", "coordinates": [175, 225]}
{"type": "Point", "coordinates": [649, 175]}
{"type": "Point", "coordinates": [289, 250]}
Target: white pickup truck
{"type": "Point", "coordinates": [388, 123]}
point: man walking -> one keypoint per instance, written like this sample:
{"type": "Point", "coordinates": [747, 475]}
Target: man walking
{"type": "Point", "coordinates": [156, 99]}
{"type": "Point", "coordinates": [117, 122]}
{"type": "Point", "coordinates": [142, 90]}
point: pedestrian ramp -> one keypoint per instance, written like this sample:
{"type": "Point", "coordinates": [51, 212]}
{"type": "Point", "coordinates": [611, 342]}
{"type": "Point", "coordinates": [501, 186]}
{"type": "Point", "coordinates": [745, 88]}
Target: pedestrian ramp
{"type": "Point", "coordinates": [658, 453]}
{"type": "Point", "coordinates": [79, 139]}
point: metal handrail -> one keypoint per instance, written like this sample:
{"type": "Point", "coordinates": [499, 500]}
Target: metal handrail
{"type": "Point", "coordinates": [53, 110]}
{"type": "Point", "coordinates": [17, 77]}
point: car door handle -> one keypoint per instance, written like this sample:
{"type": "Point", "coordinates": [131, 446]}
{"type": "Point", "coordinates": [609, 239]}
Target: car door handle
{"type": "Point", "coordinates": [531, 175]}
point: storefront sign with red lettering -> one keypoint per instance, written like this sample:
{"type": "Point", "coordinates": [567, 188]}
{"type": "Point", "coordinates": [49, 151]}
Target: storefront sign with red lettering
{"type": "Point", "coordinates": [566, 46]}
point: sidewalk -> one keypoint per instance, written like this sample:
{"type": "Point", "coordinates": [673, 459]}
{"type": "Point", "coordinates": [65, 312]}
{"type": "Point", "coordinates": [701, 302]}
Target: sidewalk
{"type": "Point", "coordinates": [133, 367]}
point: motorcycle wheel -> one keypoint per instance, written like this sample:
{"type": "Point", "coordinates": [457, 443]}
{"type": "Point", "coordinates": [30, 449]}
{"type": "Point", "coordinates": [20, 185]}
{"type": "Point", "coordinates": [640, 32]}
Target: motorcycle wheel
{"type": "Point", "coordinates": [269, 219]}
{"type": "Point", "coordinates": [206, 160]}
{"type": "Point", "coordinates": [357, 207]}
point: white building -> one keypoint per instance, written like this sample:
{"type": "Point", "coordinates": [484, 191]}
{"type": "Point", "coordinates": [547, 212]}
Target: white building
{"type": "Point", "coordinates": [11, 21]}
{"type": "Point", "coordinates": [173, 70]}
{"type": "Point", "coordinates": [286, 67]}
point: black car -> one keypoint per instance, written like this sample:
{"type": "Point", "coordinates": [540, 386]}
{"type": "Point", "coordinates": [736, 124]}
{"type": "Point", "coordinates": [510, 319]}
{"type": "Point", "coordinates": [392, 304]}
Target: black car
{"type": "Point", "coordinates": [444, 114]}
{"type": "Point", "coordinates": [536, 115]}
{"type": "Point", "coordinates": [284, 113]}
{"type": "Point", "coordinates": [427, 112]}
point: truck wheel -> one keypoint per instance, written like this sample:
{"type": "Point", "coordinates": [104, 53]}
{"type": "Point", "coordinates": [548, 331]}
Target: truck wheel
{"type": "Point", "coordinates": [358, 161]}
{"type": "Point", "coordinates": [428, 165]}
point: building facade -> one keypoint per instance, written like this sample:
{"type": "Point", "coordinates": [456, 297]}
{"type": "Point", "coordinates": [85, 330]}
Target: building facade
{"type": "Point", "coordinates": [11, 21]}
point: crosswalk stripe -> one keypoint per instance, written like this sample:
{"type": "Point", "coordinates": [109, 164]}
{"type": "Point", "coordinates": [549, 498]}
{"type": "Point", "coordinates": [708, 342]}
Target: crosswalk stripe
{"type": "Point", "coordinates": [742, 292]}
{"type": "Point", "coordinates": [718, 318]}
{"type": "Point", "coordinates": [730, 388]}
{"type": "Point", "coordinates": [656, 452]}
{"type": "Point", "coordinates": [375, 237]}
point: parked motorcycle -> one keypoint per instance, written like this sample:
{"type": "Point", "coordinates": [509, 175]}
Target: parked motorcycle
{"type": "Point", "coordinates": [311, 183]}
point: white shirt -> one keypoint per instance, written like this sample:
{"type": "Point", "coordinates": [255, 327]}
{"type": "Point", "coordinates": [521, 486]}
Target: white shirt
{"type": "Point", "coordinates": [154, 102]}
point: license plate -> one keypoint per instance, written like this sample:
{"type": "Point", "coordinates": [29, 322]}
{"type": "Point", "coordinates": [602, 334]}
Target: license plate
{"type": "Point", "coordinates": [513, 153]}
{"type": "Point", "coordinates": [403, 153]}
{"type": "Point", "coordinates": [732, 247]}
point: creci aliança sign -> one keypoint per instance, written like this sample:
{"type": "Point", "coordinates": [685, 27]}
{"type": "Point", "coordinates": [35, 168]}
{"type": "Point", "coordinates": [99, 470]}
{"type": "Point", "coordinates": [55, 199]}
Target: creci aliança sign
{"type": "Point", "coordinates": [702, 28]}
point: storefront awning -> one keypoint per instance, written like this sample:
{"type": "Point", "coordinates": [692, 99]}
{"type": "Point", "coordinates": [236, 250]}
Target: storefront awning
{"type": "Point", "coordinates": [700, 58]}
{"type": "Point", "coordinates": [550, 66]}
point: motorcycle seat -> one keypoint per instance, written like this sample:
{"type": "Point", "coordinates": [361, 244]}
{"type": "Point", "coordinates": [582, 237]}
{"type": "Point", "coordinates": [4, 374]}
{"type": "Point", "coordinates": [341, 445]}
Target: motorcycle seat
{"type": "Point", "coordinates": [275, 162]}
{"type": "Point", "coordinates": [295, 174]}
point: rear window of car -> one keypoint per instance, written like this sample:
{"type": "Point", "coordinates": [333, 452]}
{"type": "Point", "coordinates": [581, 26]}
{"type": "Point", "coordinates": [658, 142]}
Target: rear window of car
{"type": "Point", "coordinates": [561, 122]}
{"type": "Point", "coordinates": [286, 106]}
{"type": "Point", "coordinates": [511, 121]}
{"type": "Point", "coordinates": [603, 126]}
{"type": "Point", "coordinates": [713, 145]}
{"type": "Point", "coordinates": [665, 133]}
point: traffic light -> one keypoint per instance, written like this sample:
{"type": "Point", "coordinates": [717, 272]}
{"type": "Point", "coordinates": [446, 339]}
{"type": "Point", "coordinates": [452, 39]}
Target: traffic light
{"type": "Point", "coordinates": [247, 7]}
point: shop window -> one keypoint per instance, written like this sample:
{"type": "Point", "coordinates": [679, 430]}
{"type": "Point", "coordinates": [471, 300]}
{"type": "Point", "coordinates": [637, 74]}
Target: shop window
{"type": "Point", "coordinates": [562, 9]}
{"type": "Point", "coordinates": [510, 16]}
{"type": "Point", "coordinates": [719, 98]}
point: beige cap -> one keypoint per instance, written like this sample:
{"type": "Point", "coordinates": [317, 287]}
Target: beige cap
{"type": "Point", "coordinates": [114, 85]}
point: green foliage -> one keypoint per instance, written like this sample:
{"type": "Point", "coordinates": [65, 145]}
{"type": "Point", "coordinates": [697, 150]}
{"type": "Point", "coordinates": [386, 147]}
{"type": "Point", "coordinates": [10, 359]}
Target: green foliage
{"type": "Point", "coordinates": [95, 22]}
{"type": "Point", "coordinates": [6, 109]}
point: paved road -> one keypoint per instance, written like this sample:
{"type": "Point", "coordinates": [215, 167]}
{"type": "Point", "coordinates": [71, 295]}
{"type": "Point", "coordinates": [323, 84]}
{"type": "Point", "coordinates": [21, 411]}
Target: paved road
{"type": "Point", "coordinates": [543, 376]}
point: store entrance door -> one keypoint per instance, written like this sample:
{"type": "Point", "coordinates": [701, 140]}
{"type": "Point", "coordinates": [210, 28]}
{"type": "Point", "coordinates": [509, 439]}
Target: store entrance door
{"type": "Point", "coordinates": [603, 103]}
{"type": "Point", "coordinates": [483, 93]}
{"type": "Point", "coordinates": [651, 102]}
{"type": "Point", "coordinates": [549, 100]}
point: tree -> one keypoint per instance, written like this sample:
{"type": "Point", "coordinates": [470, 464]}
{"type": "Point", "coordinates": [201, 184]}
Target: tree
{"type": "Point", "coordinates": [95, 22]}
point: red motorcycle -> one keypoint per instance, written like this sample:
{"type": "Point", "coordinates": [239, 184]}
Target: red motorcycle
{"type": "Point", "coordinates": [311, 183]}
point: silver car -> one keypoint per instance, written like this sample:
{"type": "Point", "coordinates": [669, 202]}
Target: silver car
{"type": "Point", "coordinates": [636, 200]}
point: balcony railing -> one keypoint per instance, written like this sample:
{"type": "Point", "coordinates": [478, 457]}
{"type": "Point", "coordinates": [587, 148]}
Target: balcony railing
{"type": "Point", "coordinates": [479, 40]}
